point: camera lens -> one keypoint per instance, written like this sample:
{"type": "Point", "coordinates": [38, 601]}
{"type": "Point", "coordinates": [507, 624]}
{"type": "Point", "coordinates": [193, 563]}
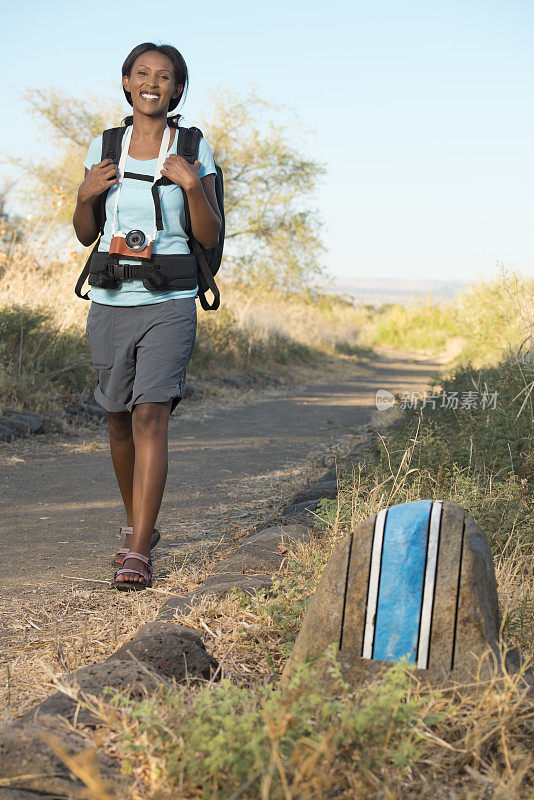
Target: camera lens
{"type": "Point", "coordinates": [135, 240]}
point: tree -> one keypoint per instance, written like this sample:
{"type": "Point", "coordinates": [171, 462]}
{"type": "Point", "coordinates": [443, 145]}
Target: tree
{"type": "Point", "coordinates": [71, 123]}
{"type": "Point", "coordinates": [272, 234]}
{"type": "Point", "coordinates": [273, 237]}
{"type": "Point", "coordinates": [11, 225]}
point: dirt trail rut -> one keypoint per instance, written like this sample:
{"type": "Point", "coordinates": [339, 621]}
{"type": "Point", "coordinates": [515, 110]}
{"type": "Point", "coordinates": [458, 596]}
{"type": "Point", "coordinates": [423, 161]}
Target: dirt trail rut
{"type": "Point", "coordinates": [227, 466]}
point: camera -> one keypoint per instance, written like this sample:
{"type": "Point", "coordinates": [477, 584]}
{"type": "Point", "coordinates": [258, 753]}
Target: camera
{"type": "Point", "coordinates": [131, 245]}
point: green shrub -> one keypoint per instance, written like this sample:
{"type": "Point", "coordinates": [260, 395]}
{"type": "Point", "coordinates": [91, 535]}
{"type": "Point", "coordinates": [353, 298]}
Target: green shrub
{"type": "Point", "coordinates": [214, 741]}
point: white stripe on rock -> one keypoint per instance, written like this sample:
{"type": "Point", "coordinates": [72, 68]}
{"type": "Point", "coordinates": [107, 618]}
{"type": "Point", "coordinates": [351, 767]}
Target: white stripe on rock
{"type": "Point", "coordinates": [428, 588]}
{"type": "Point", "coordinates": [374, 580]}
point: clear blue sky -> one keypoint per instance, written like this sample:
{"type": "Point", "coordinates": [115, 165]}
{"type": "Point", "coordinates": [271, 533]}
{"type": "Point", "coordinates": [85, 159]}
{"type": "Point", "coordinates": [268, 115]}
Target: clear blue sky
{"type": "Point", "coordinates": [422, 109]}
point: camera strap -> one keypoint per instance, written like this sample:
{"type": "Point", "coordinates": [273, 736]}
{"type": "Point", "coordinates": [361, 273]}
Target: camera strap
{"type": "Point", "coordinates": [164, 146]}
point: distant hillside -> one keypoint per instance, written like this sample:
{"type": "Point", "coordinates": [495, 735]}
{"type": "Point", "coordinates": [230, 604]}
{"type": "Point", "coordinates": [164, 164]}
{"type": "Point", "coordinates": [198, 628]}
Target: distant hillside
{"type": "Point", "coordinates": [379, 291]}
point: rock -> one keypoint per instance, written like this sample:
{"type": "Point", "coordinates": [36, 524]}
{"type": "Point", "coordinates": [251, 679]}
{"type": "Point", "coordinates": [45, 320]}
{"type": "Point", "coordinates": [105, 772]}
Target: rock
{"type": "Point", "coordinates": [260, 553]}
{"type": "Point", "coordinates": [301, 509]}
{"type": "Point", "coordinates": [86, 410]}
{"type": "Point", "coordinates": [170, 655]}
{"type": "Point", "coordinates": [176, 605]}
{"type": "Point", "coordinates": [54, 423]}
{"type": "Point", "coordinates": [215, 586]}
{"type": "Point", "coordinates": [159, 627]}
{"type": "Point", "coordinates": [263, 551]}
{"type": "Point", "coordinates": [16, 426]}
{"type": "Point", "coordinates": [316, 492]}
{"type": "Point", "coordinates": [223, 585]}
{"type": "Point", "coordinates": [415, 582]}
{"type": "Point", "coordinates": [24, 753]}
{"type": "Point", "coordinates": [92, 409]}
{"type": "Point", "coordinates": [323, 622]}
{"type": "Point", "coordinates": [33, 421]}
{"type": "Point", "coordinates": [329, 476]}
{"type": "Point", "coordinates": [231, 382]}
{"type": "Point", "coordinates": [124, 675]}
{"type": "Point", "coordinates": [7, 434]}
{"type": "Point", "coordinates": [22, 423]}
{"type": "Point", "coordinates": [515, 663]}
{"type": "Point", "coordinates": [192, 391]}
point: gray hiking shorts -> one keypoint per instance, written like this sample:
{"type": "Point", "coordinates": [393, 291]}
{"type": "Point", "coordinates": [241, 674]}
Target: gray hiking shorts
{"type": "Point", "coordinates": [141, 353]}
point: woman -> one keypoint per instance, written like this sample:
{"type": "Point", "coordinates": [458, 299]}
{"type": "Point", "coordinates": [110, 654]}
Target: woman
{"type": "Point", "coordinates": [141, 339]}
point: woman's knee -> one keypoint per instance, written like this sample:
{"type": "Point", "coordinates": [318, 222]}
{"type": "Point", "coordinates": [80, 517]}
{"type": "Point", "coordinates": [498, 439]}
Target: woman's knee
{"type": "Point", "coordinates": [120, 424]}
{"type": "Point", "coordinates": [151, 416]}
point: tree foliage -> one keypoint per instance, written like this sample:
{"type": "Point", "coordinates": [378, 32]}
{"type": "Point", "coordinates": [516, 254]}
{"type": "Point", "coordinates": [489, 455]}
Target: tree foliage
{"type": "Point", "coordinates": [273, 237]}
{"type": "Point", "coordinates": [272, 233]}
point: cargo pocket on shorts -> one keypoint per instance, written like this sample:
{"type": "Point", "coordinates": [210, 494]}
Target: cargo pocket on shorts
{"type": "Point", "coordinates": [176, 331]}
{"type": "Point", "coordinates": [99, 331]}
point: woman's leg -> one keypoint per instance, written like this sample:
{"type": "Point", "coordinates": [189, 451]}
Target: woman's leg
{"type": "Point", "coordinates": [150, 423]}
{"type": "Point", "coordinates": [122, 448]}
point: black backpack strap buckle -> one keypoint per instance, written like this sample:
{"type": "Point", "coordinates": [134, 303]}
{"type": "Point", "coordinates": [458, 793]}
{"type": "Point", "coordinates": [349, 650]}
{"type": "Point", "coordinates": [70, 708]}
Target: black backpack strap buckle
{"type": "Point", "coordinates": [122, 271]}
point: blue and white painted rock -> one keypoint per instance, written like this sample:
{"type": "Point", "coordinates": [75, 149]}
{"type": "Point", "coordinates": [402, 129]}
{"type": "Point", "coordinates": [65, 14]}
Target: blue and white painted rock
{"type": "Point", "coordinates": [416, 581]}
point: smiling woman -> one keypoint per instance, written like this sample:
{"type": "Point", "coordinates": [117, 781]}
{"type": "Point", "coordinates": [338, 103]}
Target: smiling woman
{"type": "Point", "coordinates": [142, 332]}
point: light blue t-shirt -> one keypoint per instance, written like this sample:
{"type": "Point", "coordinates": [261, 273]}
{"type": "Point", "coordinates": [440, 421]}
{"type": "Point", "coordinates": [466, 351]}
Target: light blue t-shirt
{"type": "Point", "coordinates": [136, 212]}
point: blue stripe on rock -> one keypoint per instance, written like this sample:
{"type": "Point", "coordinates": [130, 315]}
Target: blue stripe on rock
{"type": "Point", "coordinates": [401, 581]}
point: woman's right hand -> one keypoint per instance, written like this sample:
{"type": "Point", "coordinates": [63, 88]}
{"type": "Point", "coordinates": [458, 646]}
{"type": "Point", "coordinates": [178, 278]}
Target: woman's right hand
{"type": "Point", "coordinates": [99, 178]}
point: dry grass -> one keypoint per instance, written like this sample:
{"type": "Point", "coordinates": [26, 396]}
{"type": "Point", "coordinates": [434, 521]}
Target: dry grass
{"type": "Point", "coordinates": [64, 630]}
{"type": "Point", "coordinates": [45, 357]}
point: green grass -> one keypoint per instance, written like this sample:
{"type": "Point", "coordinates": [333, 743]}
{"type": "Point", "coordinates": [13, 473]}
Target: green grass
{"type": "Point", "coordinates": [422, 325]}
{"type": "Point", "coordinates": [238, 739]}
{"type": "Point", "coordinates": [481, 323]}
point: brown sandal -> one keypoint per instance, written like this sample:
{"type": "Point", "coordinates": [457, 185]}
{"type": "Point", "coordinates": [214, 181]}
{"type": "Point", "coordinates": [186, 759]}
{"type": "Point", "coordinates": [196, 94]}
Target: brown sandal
{"type": "Point", "coordinates": [144, 583]}
{"type": "Point", "coordinates": [120, 555]}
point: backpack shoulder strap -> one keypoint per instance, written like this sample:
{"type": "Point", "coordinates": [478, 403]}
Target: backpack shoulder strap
{"type": "Point", "coordinates": [111, 148]}
{"type": "Point", "coordinates": [85, 272]}
{"type": "Point", "coordinates": [188, 142]}
{"type": "Point", "coordinates": [187, 146]}
{"type": "Point", "coordinates": [112, 142]}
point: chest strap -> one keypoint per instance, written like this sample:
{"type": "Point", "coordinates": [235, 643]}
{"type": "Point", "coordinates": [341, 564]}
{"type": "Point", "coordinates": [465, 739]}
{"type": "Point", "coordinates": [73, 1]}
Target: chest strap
{"type": "Point", "coordinates": [163, 271]}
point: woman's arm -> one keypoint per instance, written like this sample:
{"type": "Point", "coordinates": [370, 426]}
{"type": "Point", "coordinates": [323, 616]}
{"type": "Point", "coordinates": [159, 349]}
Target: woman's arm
{"type": "Point", "coordinates": [99, 178]}
{"type": "Point", "coordinates": [203, 209]}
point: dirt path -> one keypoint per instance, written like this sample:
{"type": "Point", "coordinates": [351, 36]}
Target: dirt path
{"type": "Point", "coordinates": [229, 468]}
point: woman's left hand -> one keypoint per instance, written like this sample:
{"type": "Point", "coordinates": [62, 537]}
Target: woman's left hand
{"type": "Point", "coordinates": [180, 171]}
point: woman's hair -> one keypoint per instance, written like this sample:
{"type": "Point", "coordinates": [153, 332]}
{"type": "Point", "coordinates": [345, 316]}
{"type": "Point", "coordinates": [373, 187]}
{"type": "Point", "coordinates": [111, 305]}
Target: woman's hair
{"type": "Point", "coordinates": [181, 74]}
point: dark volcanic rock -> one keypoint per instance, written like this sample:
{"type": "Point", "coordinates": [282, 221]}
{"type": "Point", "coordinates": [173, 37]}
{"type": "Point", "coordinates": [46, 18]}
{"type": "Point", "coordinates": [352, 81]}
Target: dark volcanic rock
{"type": "Point", "coordinates": [221, 585]}
{"type": "Point", "coordinates": [159, 627]}
{"type": "Point", "coordinates": [7, 434]}
{"type": "Point", "coordinates": [316, 492]}
{"type": "Point", "coordinates": [300, 510]}
{"type": "Point", "coordinates": [170, 655]}
{"type": "Point", "coordinates": [247, 568]}
{"type": "Point", "coordinates": [33, 422]}
{"type": "Point", "coordinates": [176, 605]}
{"type": "Point", "coordinates": [24, 753]}
{"type": "Point", "coordinates": [123, 675]}
{"type": "Point", "coordinates": [263, 551]}
{"type": "Point", "coordinates": [21, 423]}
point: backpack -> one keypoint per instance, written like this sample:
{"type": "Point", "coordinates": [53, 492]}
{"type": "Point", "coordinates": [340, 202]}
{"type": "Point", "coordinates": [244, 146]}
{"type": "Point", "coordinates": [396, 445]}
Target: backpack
{"type": "Point", "coordinates": [208, 261]}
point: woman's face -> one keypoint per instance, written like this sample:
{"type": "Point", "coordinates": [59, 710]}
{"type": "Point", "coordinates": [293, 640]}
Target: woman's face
{"type": "Point", "coordinates": [151, 83]}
